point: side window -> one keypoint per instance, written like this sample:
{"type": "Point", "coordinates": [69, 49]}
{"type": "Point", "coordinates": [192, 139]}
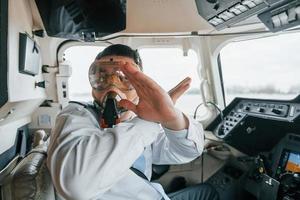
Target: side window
{"type": "Point", "coordinates": [262, 68]}
{"type": "Point", "coordinates": [81, 57]}
{"type": "Point", "coordinates": [168, 66]}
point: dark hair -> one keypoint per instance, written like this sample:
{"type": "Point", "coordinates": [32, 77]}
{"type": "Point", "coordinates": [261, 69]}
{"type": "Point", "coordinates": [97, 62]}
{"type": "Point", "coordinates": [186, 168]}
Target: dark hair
{"type": "Point", "coordinates": [121, 50]}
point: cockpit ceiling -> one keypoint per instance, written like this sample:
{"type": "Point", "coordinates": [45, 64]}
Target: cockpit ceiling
{"type": "Point", "coordinates": [149, 17]}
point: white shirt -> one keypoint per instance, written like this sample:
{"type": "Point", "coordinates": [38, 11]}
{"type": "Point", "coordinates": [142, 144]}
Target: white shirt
{"type": "Point", "coordinates": [87, 162]}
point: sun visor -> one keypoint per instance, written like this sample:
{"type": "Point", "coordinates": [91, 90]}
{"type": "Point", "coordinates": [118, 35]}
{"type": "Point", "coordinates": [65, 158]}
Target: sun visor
{"type": "Point", "coordinates": [82, 19]}
{"type": "Point", "coordinates": [225, 13]}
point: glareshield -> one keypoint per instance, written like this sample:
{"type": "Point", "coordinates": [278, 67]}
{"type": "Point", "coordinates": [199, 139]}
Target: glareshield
{"type": "Point", "coordinates": [105, 74]}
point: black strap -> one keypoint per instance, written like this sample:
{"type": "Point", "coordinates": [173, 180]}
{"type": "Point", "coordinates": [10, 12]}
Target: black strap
{"type": "Point", "coordinates": [139, 173]}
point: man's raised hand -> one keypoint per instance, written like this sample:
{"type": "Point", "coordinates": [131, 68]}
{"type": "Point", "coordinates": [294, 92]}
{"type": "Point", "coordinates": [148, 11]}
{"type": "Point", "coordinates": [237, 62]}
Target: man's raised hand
{"type": "Point", "coordinates": [154, 103]}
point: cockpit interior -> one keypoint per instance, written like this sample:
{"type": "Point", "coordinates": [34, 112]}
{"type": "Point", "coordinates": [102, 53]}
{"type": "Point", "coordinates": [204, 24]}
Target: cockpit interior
{"type": "Point", "coordinates": [242, 56]}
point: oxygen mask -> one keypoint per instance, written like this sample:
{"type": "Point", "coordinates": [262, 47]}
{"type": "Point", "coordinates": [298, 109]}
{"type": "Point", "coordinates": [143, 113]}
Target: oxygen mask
{"type": "Point", "coordinates": [111, 112]}
{"type": "Point", "coordinates": [106, 74]}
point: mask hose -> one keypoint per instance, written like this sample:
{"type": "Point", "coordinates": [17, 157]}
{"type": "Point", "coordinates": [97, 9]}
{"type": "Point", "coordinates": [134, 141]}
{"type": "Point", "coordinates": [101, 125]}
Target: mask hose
{"type": "Point", "coordinates": [110, 115]}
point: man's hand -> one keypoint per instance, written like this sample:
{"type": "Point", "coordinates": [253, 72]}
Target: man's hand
{"type": "Point", "coordinates": [154, 103]}
{"type": "Point", "coordinates": [179, 89]}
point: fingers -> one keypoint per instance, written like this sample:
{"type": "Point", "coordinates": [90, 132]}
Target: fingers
{"type": "Point", "coordinates": [185, 82]}
{"type": "Point", "coordinates": [128, 105]}
{"type": "Point", "coordinates": [139, 80]}
{"type": "Point", "coordinates": [179, 89]}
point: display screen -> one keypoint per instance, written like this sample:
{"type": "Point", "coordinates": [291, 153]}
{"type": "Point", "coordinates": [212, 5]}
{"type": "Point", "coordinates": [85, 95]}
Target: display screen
{"type": "Point", "coordinates": [293, 162]}
{"type": "Point", "coordinates": [289, 162]}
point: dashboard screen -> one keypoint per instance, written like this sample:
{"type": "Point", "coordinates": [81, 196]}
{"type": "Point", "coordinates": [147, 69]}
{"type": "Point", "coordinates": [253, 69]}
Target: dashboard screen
{"type": "Point", "coordinates": [293, 162]}
{"type": "Point", "coordinates": [289, 162]}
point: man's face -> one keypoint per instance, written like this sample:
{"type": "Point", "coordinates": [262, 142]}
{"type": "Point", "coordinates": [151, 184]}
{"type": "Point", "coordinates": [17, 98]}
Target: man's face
{"type": "Point", "coordinates": [110, 79]}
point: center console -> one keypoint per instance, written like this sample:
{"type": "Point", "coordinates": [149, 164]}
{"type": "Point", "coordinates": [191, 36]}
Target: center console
{"type": "Point", "coordinates": [268, 132]}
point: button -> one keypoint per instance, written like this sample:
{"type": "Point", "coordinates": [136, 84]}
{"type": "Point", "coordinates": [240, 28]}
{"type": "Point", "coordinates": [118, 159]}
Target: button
{"type": "Point", "coordinates": [239, 115]}
{"type": "Point", "coordinates": [261, 110]}
{"type": "Point", "coordinates": [247, 108]}
{"type": "Point", "coordinates": [228, 14]}
{"type": "Point", "coordinates": [258, 1]}
{"type": "Point", "coordinates": [249, 3]}
{"type": "Point", "coordinates": [283, 18]}
{"type": "Point", "coordinates": [223, 16]}
{"type": "Point", "coordinates": [292, 14]}
{"type": "Point", "coordinates": [242, 8]}
{"type": "Point", "coordinates": [292, 111]}
{"type": "Point", "coordinates": [213, 22]}
{"type": "Point", "coordinates": [218, 20]}
{"type": "Point", "coordinates": [271, 106]}
{"type": "Point", "coordinates": [235, 11]}
{"type": "Point", "coordinates": [297, 10]}
{"type": "Point", "coordinates": [276, 21]}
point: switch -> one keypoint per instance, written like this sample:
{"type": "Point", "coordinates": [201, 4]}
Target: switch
{"type": "Point", "coordinates": [292, 14]}
{"type": "Point", "coordinates": [229, 14]}
{"type": "Point", "coordinates": [297, 10]}
{"type": "Point", "coordinates": [213, 22]}
{"type": "Point", "coordinates": [242, 8]}
{"type": "Point", "coordinates": [283, 18]}
{"type": "Point", "coordinates": [218, 20]}
{"type": "Point", "coordinates": [258, 1]}
{"type": "Point", "coordinates": [261, 110]}
{"type": "Point", "coordinates": [224, 16]}
{"type": "Point", "coordinates": [235, 11]}
{"type": "Point", "coordinates": [292, 111]}
{"type": "Point", "coordinates": [249, 3]}
{"type": "Point", "coordinates": [276, 21]}
{"type": "Point", "coordinates": [276, 111]}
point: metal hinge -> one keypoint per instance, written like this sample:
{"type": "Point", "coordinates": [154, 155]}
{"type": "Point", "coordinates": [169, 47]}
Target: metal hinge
{"type": "Point", "coordinates": [88, 36]}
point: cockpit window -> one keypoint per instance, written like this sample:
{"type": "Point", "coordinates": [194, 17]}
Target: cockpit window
{"type": "Point", "coordinates": [167, 66]}
{"type": "Point", "coordinates": [80, 58]}
{"type": "Point", "coordinates": [262, 68]}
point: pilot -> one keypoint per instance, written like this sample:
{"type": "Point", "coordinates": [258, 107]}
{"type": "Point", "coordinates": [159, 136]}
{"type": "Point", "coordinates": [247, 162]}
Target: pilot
{"type": "Point", "coordinates": [91, 158]}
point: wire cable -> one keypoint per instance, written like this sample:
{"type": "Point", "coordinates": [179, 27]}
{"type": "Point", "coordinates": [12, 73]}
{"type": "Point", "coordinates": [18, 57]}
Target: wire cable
{"type": "Point", "coordinates": [211, 103]}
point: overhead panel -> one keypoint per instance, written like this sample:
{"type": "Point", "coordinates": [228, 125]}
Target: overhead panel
{"type": "Point", "coordinates": [283, 16]}
{"type": "Point", "coordinates": [225, 13]}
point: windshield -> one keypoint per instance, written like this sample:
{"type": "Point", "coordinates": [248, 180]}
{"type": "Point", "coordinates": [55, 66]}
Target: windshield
{"type": "Point", "coordinates": [262, 68]}
{"type": "Point", "coordinates": [167, 66]}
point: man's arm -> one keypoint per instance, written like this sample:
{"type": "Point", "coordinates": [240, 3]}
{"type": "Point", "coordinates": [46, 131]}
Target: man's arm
{"type": "Point", "coordinates": [178, 147]}
{"type": "Point", "coordinates": [85, 161]}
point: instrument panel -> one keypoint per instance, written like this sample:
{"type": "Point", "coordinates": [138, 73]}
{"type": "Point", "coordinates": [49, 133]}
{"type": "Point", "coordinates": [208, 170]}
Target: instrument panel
{"type": "Point", "coordinates": [256, 125]}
